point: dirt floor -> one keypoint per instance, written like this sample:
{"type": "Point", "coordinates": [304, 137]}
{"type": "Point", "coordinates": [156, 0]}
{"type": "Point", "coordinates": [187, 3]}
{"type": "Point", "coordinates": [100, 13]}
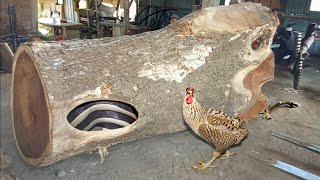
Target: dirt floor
{"type": "Point", "coordinates": [171, 156]}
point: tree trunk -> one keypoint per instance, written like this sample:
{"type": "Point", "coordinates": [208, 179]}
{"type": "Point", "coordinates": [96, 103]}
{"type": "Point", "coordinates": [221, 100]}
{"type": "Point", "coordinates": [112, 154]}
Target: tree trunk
{"type": "Point", "coordinates": [145, 75]}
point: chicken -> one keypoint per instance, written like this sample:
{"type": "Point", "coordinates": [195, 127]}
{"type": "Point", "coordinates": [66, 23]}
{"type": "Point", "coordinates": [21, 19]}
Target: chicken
{"type": "Point", "coordinates": [213, 126]}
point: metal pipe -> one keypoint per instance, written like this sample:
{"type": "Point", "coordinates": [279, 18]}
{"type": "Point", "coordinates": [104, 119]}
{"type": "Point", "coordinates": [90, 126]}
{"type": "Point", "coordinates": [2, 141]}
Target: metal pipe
{"type": "Point", "coordinates": [304, 144]}
{"type": "Point", "coordinates": [295, 171]}
{"type": "Point", "coordinates": [13, 26]}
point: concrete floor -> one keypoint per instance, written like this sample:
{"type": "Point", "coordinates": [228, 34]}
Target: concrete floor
{"type": "Point", "coordinates": [171, 156]}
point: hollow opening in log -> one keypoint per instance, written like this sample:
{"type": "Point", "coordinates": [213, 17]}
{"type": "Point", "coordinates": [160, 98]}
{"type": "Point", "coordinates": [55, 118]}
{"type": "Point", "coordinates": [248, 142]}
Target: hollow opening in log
{"type": "Point", "coordinates": [102, 114]}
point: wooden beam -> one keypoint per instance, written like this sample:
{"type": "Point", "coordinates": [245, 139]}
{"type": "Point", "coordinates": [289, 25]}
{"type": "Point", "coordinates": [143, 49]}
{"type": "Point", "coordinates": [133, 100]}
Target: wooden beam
{"type": "Point", "coordinates": [97, 4]}
{"type": "Point", "coordinates": [126, 22]}
{"type": "Point", "coordinates": [34, 15]}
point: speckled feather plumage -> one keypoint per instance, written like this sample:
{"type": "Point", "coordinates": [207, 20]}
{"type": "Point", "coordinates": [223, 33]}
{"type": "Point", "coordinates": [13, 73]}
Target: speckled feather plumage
{"type": "Point", "coordinates": [214, 126]}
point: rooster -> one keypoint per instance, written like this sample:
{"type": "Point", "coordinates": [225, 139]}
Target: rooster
{"type": "Point", "coordinates": [215, 127]}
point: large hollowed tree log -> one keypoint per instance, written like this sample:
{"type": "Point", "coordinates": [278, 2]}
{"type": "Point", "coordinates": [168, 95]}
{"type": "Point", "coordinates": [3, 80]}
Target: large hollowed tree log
{"type": "Point", "coordinates": [146, 75]}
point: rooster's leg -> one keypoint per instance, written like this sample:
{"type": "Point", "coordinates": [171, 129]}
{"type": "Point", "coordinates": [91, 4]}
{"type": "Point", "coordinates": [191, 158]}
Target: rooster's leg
{"type": "Point", "coordinates": [227, 155]}
{"type": "Point", "coordinates": [203, 165]}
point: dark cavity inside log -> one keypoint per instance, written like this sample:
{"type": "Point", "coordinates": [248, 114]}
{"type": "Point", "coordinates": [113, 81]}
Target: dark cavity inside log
{"type": "Point", "coordinates": [103, 114]}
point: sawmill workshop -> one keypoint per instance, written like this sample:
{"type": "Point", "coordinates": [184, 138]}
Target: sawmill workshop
{"type": "Point", "coordinates": [160, 89]}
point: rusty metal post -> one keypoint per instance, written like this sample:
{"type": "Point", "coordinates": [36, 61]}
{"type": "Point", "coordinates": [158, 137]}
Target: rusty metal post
{"type": "Point", "coordinates": [13, 26]}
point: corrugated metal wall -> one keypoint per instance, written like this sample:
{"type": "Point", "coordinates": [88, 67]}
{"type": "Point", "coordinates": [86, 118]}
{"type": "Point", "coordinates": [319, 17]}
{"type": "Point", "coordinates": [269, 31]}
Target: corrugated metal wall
{"type": "Point", "coordinates": [299, 12]}
{"type": "Point", "coordinates": [181, 8]}
{"type": "Point", "coordinates": [184, 5]}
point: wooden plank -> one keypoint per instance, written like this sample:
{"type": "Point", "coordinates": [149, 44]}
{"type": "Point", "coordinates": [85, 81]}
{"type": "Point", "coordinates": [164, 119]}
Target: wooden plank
{"type": "Point", "coordinates": [70, 33]}
{"type": "Point", "coordinates": [6, 57]}
{"type": "Point", "coordinates": [117, 29]}
{"type": "Point", "coordinates": [72, 25]}
{"type": "Point", "coordinates": [69, 25]}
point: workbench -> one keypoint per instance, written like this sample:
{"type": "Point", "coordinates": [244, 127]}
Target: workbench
{"type": "Point", "coordinates": [68, 30]}
{"type": "Point", "coordinates": [117, 28]}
